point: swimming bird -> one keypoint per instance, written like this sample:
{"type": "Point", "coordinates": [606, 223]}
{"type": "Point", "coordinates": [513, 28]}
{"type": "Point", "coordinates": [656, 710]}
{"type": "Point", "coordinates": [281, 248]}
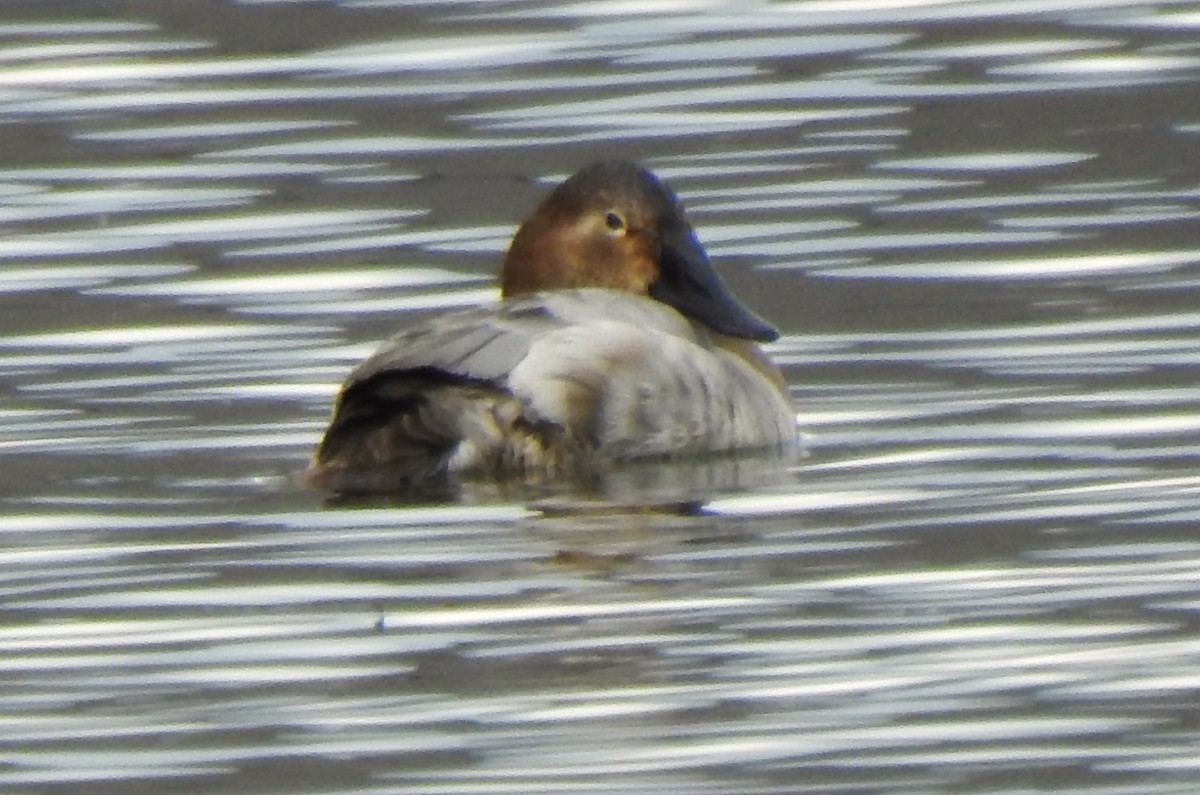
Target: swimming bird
{"type": "Point", "coordinates": [614, 340]}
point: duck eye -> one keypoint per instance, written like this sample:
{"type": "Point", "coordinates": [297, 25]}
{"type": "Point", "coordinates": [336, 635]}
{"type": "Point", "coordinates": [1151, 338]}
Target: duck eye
{"type": "Point", "coordinates": [614, 221]}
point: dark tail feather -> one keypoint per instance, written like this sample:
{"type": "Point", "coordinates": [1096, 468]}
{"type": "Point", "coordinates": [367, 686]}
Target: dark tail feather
{"type": "Point", "coordinates": [394, 432]}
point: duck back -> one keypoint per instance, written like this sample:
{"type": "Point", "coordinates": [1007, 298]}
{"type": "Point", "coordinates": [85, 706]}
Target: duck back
{"type": "Point", "coordinates": [545, 385]}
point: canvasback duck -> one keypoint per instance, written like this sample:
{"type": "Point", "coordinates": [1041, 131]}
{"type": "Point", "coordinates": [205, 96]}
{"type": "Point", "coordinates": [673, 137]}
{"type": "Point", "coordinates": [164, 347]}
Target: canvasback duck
{"type": "Point", "coordinates": [615, 340]}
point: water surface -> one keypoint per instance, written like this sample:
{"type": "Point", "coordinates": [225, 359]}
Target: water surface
{"type": "Point", "coordinates": [973, 221]}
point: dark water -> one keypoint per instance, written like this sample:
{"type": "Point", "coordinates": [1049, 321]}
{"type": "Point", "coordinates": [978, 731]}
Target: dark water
{"type": "Point", "coordinates": [976, 223]}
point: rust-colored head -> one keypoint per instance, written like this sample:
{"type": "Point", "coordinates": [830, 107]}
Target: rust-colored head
{"type": "Point", "coordinates": [615, 225]}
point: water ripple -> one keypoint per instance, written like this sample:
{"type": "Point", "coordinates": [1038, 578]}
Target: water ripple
{"type": "Point", "coordinates": [974, 221]}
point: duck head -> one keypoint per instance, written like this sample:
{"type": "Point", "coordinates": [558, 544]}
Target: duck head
{"type": "Point", "coordinates": [615, 225]}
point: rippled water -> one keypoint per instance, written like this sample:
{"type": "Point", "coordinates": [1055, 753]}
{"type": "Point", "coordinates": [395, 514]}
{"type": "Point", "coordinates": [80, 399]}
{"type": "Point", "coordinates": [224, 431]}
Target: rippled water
{"type": "Point", "coordinates": [974, 221]}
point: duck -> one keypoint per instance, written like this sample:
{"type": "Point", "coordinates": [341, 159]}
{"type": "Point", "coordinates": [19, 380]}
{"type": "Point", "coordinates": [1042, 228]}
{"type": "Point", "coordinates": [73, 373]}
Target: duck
{"type": "Point", "coordinates": [614, 340]}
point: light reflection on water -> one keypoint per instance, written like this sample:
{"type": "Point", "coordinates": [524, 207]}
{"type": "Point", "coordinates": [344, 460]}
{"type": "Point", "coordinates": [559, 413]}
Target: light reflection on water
{"type": "Point", "coordinates": [973, 221]}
